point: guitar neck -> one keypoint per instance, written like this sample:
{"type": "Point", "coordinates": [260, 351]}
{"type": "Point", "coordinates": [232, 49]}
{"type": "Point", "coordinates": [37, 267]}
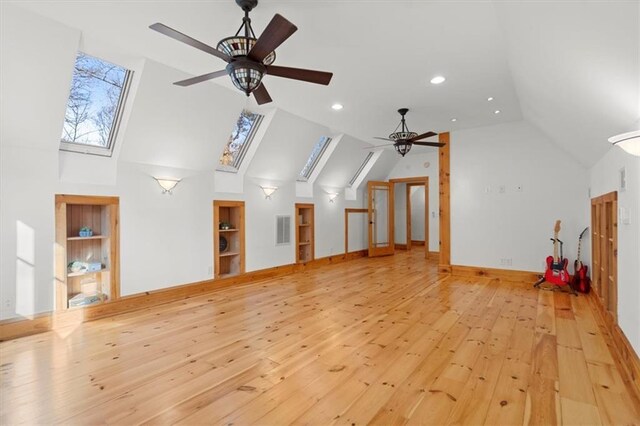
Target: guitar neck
{"type": "Point", "coordinates": [555, 247]}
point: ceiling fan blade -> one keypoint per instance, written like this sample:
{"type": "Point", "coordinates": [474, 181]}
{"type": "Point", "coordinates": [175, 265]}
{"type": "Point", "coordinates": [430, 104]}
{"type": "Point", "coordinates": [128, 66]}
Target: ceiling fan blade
{"type": "Point", "coordinates": [261, 95]}
{"type": "Point", "coordinates": [177, 35]}
{"type": "Point", "coordinates": [200, 78]}
{"type": "Point", "coordinates": [318, 77]}
{"type": "Point", "coordinates": [383, 139]}
{"type": "Point", "coordinates": [278, 30]}
{"type": "Point", "coordinates": [378, 146]}
{"type": "Point", "coordinates": [422, 136]}
{"type": "Point", "coordinates": [428, 144]}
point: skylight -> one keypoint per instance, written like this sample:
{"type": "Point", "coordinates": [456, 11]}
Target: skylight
{"type": "Point", "coordinates": [94, 109]}
{"type": "Point", "coordinates": [239, 141]}
{"type": "Point", "coordinates": [319, 148]}
{"type": "Point", "coordinates": [360, 169]}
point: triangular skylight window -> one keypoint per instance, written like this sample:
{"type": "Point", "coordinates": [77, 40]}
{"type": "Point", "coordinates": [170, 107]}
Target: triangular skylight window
{"type": "Point", "coordinates": [95, 105]}
{"type": "Point", "coordinates": [239, 141]}
{"type": "Point", "coordinates": [360, 169]}
{"type": "Point", "coordinates": [316, 153]}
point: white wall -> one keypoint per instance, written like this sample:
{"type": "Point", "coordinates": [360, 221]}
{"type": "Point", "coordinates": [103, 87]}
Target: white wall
{"type": "Point", "coordinates": [413, 165]}
{"type": "Point", "coordinates": [172, 132]}
{"type": "Point", "coordinates": [604, 178]}
{"type": "Point", "coordinates": [491, 219]}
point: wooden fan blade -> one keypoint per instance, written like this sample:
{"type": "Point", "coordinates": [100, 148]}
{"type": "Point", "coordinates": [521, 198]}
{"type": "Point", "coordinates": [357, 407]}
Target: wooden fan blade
{"type": "Point", "coordinates": [278, 30]}
{"type": "Point", "coordinates": [428, 144]}
{"type": "Point", "coordinates": [177, 35]}
{"type": "Point", "coordinates": [422, 136]}
{"type": "Point", "coordinates": [311, 76]}
{"type": "Point", "coordinates": [200, 78]}
{"type": "Point", "coordinates": [261, 95]}
{"type": "Point", "coordinates": [383, 139]}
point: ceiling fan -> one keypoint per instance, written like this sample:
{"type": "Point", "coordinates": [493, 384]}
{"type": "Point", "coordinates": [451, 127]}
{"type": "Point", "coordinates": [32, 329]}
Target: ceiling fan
{"type": "Point", "coordinates": [403, 139]}
{"type": "Point", "coordinates": [249, 58]}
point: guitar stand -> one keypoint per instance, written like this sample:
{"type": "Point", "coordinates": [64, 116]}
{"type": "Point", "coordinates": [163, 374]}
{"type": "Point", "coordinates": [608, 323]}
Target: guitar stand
{"type": "Point", "coordinates": [554, 287]}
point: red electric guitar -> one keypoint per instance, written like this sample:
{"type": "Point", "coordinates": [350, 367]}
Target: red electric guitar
{"type": "Point", "coordinates": [581, 281]}
{"type": "Point", "coordinates": [556, 272]}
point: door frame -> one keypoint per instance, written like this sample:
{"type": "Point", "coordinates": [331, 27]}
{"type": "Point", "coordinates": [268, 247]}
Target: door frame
{"type": "Point", "coordinates": [381, 251]}
{"type": "Point", "coordinates": [416, 181]}
{"type": "Point", "coordinates": [347, 211]}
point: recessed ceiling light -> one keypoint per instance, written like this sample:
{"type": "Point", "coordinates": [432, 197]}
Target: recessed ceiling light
{"type": "Point", "coordinates": [438, 79]}
{"type": "Point", "coordinates": [490, 98]}
{"type": "Point", "coordinates": [454, 119]}
{"type": "Point", "coordinates": [337, 107]}
{"type": "Point", "coordinates": [496, 111]}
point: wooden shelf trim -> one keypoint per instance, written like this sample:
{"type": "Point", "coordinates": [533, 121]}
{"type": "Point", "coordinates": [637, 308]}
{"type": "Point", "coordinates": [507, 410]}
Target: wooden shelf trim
{"type": "Point", "coordinates": [229, 254]}
{"type": "Point", "coordinates": [93, 237]}
{"type": "Point", "coordinates": [81, 273]}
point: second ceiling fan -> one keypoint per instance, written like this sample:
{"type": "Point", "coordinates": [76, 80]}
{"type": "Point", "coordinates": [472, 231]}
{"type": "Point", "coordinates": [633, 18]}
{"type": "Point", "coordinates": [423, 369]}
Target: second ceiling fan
{"type": "Point", "coordinates": [249, 58]}
{"type": "Point", "coordinates": [403, 139]}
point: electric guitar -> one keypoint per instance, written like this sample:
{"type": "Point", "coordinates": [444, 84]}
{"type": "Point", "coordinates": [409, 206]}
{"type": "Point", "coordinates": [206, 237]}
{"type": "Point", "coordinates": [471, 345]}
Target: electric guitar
{"type": "Point", "coordinates": [556, 272]}
{"type": "Point", "coordinates": [581, 281]}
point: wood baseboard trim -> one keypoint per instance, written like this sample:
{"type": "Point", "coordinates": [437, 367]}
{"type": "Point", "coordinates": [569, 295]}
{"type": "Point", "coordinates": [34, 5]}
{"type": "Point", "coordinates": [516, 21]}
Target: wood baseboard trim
{"type": "Point", "coordinates": [444, 269]}
{"type": "Point", "coordinates": [400, 246]}
{"type": "Point", "coordinates": [630, 362]}
{"type": "Point", "coordinates": [417, 242]}
{"type": "Point", "coordinates": [14, 328]}
{"type": "Point", "coordinates": [503, 274]}
{"type": "Point", "coordinates": [433, 255]}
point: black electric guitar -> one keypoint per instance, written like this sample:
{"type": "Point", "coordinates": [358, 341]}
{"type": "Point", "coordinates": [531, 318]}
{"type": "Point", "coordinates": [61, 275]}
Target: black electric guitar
{"type": "Point", "coordinates": [581, 281]}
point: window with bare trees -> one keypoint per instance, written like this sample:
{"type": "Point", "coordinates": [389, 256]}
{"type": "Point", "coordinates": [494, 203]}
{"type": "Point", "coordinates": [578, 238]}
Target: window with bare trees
{"type": "Point", "coordinates": [98, 92]}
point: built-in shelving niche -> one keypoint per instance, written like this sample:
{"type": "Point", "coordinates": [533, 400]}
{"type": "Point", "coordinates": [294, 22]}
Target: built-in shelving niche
{"type": "Point", "coordinates": [228, 238]}
{"type": "Point", "coordinates": [87, 266]}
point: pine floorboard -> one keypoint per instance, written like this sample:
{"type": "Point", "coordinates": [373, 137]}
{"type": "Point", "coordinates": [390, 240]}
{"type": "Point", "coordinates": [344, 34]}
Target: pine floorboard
{"type": "Point", "coordinates": [371, 341]}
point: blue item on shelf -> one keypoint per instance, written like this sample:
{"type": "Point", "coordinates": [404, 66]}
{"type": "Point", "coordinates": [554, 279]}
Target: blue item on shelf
{"type": "Point", "coordinates": [94, 266]}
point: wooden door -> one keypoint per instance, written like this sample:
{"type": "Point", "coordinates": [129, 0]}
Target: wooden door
{"type": "Point", "coordinates": [604, 239]}
{"type": "Point", "coordinates": [381, 240]}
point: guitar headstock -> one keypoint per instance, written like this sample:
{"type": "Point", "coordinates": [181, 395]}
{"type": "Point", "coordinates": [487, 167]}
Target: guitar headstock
{"type": "Point", "coordinates": [584, 232]}
{"type": "Point", "coordinates": [556, 228]}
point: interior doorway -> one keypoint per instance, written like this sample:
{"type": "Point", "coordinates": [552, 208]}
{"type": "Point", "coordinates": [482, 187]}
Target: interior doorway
{"type": "Point", "coordinates": [417, 195]}
{"type": "Point", "coordinates": [412, 224]}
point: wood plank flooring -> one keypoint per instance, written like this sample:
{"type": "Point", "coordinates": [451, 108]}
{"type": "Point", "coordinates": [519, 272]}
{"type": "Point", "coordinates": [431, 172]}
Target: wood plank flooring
{"type": "Point", "coordinates": [381, 341]}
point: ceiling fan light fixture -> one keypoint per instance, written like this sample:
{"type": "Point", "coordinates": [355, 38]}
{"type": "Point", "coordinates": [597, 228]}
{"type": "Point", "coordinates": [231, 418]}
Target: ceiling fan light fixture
{"type": "Point", "coordinates": [403, 147]}
{"type": "Point", "coordinates": [246, 75]}
{"type": "Point", "coordinates": [399, 136]}
{"type": "Point", "coordinates": [239, 46]}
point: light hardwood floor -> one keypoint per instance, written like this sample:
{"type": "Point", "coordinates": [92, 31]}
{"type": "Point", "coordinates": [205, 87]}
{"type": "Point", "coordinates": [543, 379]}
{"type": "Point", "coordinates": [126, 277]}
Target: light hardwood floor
{"type": "Point", "coordinates": [384, 341]}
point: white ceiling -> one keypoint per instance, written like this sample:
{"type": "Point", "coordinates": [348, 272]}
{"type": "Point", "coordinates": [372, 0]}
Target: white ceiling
{"type": "Point", "coordinates": [571, 68]}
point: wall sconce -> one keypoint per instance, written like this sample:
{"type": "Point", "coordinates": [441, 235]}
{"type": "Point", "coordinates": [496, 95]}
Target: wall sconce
{"type": "Point", "coordinates": [167, 185]}
{"type": "Point", "coordinates": [268, 191]}
{"type": "Point", "coordinates": [333, 196]}
{"type": "Point", "coordinates": [630, 142]}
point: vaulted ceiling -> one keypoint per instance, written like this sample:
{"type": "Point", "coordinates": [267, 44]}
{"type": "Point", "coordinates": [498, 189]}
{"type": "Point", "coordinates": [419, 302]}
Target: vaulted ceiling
{"type": "Point", "coordinates": [570, 68]}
